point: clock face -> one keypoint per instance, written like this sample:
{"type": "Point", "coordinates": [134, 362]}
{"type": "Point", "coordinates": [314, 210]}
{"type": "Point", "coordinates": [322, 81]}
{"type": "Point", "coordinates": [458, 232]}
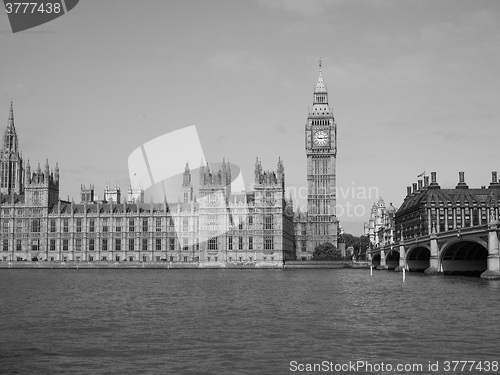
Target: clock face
{"type": "Point", "coordinates": [320, 138]}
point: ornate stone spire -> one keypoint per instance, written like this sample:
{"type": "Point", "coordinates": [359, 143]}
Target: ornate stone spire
{"type": "Point", "coordinates": [320, 104]}
{"type": "Point", "coordinates": [320, 86]}
{"type": "Point", "coordinates": [11, 115]}
{"type": "Point", "coordinates": [46, 172]}
{"type": "Point", "coordinates": [202, 173]}
{"type": "Point", "coordinates": [56, 173]}
{"type": "Point", "coordinates": [257, 171]}
{"type": "Point", "coordinates": [27, 179]}
{"type": "Point", "coordinates": [10, 141]}
{"type": "Point", "coordinates": [281, 171]}
{"type": "Point", "coordinates": [186, 178]}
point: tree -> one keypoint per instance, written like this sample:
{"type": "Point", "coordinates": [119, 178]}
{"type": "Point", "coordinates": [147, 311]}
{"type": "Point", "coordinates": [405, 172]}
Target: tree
{"type": "Point", "coordinates": [359, 243]}
{"type": "Point", "coordinates": [326, 251]}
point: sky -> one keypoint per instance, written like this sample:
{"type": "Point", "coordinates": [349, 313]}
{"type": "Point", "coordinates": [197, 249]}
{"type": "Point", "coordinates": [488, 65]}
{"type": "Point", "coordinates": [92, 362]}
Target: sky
{"type": "Point", "coordinates": [414, 87]}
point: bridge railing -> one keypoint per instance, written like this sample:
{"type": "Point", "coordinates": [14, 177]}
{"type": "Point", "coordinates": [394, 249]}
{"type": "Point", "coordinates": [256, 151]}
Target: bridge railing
{"type": "Point", "coordinates": [457, 232]}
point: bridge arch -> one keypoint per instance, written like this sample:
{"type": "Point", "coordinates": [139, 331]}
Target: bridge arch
{"type": "Point", "coordinates": [376, 260]}
{"type": "Point", "coordinates": [392, 259]}
{"type": "Point", "coordinates": [418, 258]}
{"type": "Point", "coordinates": [467, 256]}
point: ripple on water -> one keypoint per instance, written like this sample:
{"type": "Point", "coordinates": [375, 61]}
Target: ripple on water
{"type": "Point", "coordinates": [238, 322]}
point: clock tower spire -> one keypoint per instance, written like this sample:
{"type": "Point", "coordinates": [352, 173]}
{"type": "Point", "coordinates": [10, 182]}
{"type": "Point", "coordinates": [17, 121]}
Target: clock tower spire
{"type": "Point", "coordinates": [321, 152]}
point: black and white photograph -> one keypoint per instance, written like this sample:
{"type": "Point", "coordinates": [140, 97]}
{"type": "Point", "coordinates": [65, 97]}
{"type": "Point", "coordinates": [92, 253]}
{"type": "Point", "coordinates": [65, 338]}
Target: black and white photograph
{"type": "Point", "coordinates": [229, 187]}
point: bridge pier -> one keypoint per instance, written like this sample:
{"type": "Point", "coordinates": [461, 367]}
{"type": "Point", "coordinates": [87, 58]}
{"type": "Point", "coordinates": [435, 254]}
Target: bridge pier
{"type": "Point", "coordinates": [493, 271]}
{"type": "Point", "coordinates": [402, 257]}
{"type": "Point", "coordinates": [383, 262]}
{"type": "Point", "coordinates": [434, 265]}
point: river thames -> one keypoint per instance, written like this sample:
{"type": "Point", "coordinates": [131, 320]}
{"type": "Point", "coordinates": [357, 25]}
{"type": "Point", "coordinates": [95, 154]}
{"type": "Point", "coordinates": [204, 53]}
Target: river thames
{"type": "Point", "coordinates": [245, 322]}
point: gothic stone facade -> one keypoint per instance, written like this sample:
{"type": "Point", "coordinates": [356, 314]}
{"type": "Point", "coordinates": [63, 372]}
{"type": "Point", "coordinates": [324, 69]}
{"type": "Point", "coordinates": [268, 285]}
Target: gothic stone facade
{"type": "Point", "coordinates": [218, 228]}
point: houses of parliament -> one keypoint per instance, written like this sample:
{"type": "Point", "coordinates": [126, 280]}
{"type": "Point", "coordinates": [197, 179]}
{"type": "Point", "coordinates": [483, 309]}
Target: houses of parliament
{"type": "Point", "coordinates": [216, 228]}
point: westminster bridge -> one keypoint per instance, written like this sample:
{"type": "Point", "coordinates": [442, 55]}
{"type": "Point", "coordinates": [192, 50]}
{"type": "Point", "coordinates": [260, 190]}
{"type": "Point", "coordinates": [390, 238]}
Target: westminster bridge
{"type": "Point", "coordinates": [469, 250]}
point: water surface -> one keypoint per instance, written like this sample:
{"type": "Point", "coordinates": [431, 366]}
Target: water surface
{"type": "Point", "coordinates": [240, 321]}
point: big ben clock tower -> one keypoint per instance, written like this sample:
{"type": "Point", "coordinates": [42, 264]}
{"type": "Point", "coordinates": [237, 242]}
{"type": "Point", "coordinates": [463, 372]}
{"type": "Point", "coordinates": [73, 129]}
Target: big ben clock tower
{"type": "Point", "coordinates": [321, 151]}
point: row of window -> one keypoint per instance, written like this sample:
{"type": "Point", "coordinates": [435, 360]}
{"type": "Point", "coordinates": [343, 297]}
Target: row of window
{"type": "Point", "coordinates": [145, 258]}
{"type": "Point", "coordinates": [240, 243]}
{"type": "Point", "coordinates": [415, 223]}
{"type": "Point", "coordinates": [239, 259]}
{"type": "Point", "coordinates": [323, 122]}
{"type": "Point", "coordinates": [213, 243]}
{"type": "Point", "coordinates": [212, 221]}
{"type": "Point", "coordinates": [459, 204]}
{"type": "Point", "coordinates": [35, 244]}
{"type": "Point", "coordinates": [105, 244]}
{"type": "Point", "coordinates": [23, 211]}
{"type": "Point", "coordinates": [35, 225]}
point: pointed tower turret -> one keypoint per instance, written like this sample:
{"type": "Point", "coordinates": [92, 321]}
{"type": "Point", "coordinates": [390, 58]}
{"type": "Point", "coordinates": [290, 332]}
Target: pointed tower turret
{"type": "Point", "coordinates": [46, 172]}
{"type": "Point", "coordinates": [228, 179]}
{"type": "Point", "coordinates": [11, 115]}
{"type": "Point", "coordinates": [257, 171]}
{"type": "Point", "coordinates": [56, 173]}
{"type": "Point", "coordinates": [187, 186]}
{"type": "Point", "coordinates": [281, 173]}
{"type": "Point", "coordinates": [202, 174]}
{"type": "Point", "coordinates": [10, 137]}
{"type": "Point", "coordinates": [11, 162]}
{"type": "Point", "coordinates": [186, 177]}
{"type": "Point", "coordinates": [28, 173]}
{"type": "Point", "coordinates": [225, 177]}
{"type": "Point", "coordinates": [223, 172]}
{"type": "Point", "coordinates": [320, 86]}
{"type": "Point", "coordinates": [320, 103]}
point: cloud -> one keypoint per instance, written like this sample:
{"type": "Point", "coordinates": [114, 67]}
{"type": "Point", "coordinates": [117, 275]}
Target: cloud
{"type": "Point", "coordinates": [137, 72]}
{"type": "Point", "coordinates": [438, 34]}
{"type": "Point", "coordinates": [309, 8]}
{"type": "Point", "coordinates": [303, 7]}
{"type": "Point", "coordinates": [241, 62]}
{"type": "Point", "coordinates": [446, 135]}
{"type": "Point", "coordinates": [469, 34]}
{"type": "Point", "coordinates": [303, 26]}
{"type": "Point", "coordinates": [281, 128]}
{"type": "Point", "coordinates": [15, 90]}
{"type": "Point", "coordinates": [221, 137]}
